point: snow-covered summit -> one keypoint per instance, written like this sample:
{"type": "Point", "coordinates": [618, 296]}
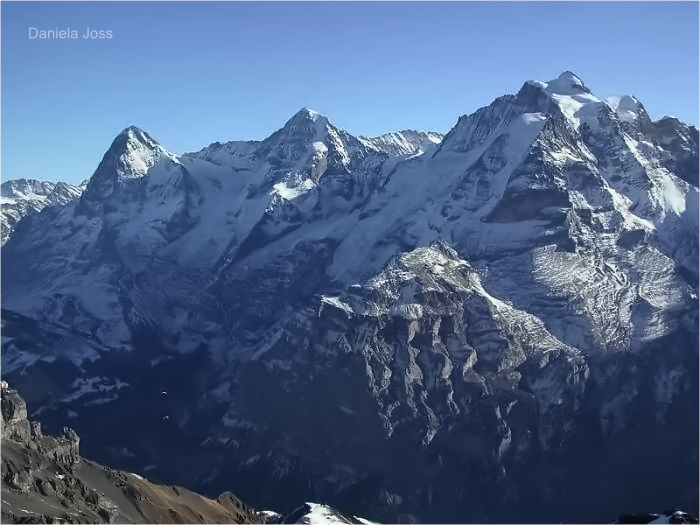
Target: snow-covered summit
{"type": "Point", "coordinates": [581, 106]}
{"type": "Point", "coordinates": [136, 150]}
{"type": "Point", "coordinates": [567, 83]}
{"type": "Point", "coordinates": [308, 113]}
{"type": "Point", "coordinates": [304, 133]}
{"type": "Point", "coordinates": [572, 96]}
{"type": "Point", "coordinates": [626, 107]}
{"type": "Point", "coordinates": [132, 154]}
{"type": "Point", "coordinates": [25, 188]}
{"type": "Point", "coordinates": [306, 120]}
{"type": "Point", "coordinates": [135, 133]}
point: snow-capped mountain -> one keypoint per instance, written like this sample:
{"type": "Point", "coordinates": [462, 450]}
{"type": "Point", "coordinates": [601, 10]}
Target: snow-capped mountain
{"type": "Point", "coordinates": [485, 328]}
{"type": "Point", "coordinates": [21, 197]}
{"type": "Point", "coordinates": [403, 143]}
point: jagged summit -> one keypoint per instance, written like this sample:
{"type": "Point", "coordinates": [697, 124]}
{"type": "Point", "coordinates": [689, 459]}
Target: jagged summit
{"type": "Point", "coordinates": [305, 133]}
{"type": "Point", "coordinates": [26, 187]}
{"type": "Point", "coordinates": [132, 137]}
{"type": "Point", "coordinates": [569, 76]}
{"type": "Point", "coordinates": [131, 146]}
{"type": "Point", "coordinates": [304, 117]}
{"type": "Point", "coordinates": [580, 105]}
{"type": "Point", "coordinates": [567, 83]}
{"type": "Point", "coordinates": [131, 155]}
{"type": "Point", "coordinates": [132, 130]}
{"type": "Point", "coordinates": [626, 107]}
{"type": "Point", "coordinates": [304, 125]}
{"type": "Point", "coordinates": [308, 113]}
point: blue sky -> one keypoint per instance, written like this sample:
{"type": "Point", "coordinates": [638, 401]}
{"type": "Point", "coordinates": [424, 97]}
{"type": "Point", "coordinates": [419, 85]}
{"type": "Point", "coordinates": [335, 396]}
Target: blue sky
{"type": "Point", "coordinates": [194, 73]}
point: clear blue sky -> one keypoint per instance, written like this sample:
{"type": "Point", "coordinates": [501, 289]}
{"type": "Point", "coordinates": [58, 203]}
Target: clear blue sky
{"type": "Point", "coordinates": [194, 73]}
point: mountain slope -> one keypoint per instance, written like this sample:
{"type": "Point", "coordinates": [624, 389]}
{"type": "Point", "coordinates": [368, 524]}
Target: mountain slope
{"type": "Point", "coordinates": [474, 332]}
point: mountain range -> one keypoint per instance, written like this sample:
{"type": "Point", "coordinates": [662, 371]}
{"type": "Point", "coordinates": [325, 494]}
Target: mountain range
{"type": "Point", "coordinates": [497, 324]}
{"type": "Point", "coordinates": [21, 197]}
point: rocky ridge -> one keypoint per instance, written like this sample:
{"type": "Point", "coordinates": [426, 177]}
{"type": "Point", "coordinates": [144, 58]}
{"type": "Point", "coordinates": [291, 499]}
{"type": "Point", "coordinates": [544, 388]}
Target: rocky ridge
{"type": "Point", "coordinates": [44, 480]}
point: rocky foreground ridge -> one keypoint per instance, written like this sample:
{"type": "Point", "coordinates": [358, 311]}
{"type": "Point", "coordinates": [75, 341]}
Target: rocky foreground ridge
{"type": "Point", "coordinates": [44, 480]}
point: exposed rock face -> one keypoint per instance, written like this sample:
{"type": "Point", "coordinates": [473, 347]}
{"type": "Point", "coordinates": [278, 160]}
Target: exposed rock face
{"type": "Point", "coordinates": [16, 427]}
{"type": "Point", "coordinates": [44, 480]}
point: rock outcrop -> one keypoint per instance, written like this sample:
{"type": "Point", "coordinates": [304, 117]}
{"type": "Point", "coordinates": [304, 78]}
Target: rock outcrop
{"type": "Point", "coordinates": [16, 427]}
{"type": "Point", "coordinates": [44, 480]}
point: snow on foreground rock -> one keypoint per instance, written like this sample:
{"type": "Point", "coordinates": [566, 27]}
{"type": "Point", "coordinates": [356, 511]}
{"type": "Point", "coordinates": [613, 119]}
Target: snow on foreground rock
{"type": "Point", "coordinates": [667, 517]}
{"type": "Point", "coordinates": [315, 514]}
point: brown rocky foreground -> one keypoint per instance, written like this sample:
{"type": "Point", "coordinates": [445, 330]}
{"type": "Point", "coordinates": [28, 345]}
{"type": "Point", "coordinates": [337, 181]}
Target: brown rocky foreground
{"type": "Point", "coordinates": [44, 480]}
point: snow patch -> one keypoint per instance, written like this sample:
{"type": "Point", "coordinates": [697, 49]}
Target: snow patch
{"type": "Point", "coordinates": [522, 132]}
{"type": "Point", "coordinates": [335, 301]}
{"type": "Point", "coordinates": [292, 192]}
{"type": "Point", "coordinates": [626, 107]}
{"type": "Point", "coordinates": [325, 515]}
{"type": "Point", "coordinates": [94, 385]}
{"type": "Point", "coordinates": [319, 147]}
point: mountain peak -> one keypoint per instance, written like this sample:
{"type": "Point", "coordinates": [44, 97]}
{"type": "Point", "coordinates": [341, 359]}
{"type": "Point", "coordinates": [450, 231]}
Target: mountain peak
{"type": "Point", "coordinates": [131, 139]}
{"type": "Point", "coordinates": [132, 153]}
{"type": "Point", "coordinates": [306, 124]}
{"type": "Point", "coordinates": [567, 83]}
{"type": "Point", "coordinates": [570, 76]}
{"type": "Point", "coordinates": [309, 113]}
{"type": "Point", "coordinates": [306, 116]}
{"type": "Point", "coordinates": [26, 188]}
{"type": "Point", "coordinates": [131, 130]}
{"type": "Point", "coordinates": [133, 135]}
{"type": "Point", "coordinates": [626, 107]}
